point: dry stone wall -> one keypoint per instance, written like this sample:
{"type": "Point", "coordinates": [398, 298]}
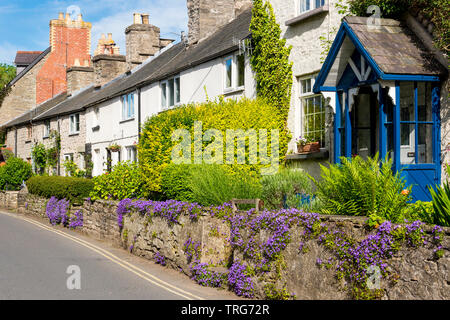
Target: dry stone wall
{"type": "Point", "coordinates": [418, 273]}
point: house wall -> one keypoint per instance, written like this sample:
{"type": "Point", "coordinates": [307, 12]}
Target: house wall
{"type": "Point", "coordinates": [22, 96]}
{"type": "Point", "coordinates": [72, 143]}
{"type": "Point", "coordinates": [306, 51]}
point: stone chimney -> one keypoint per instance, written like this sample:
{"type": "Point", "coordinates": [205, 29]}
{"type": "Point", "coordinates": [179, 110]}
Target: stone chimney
{"type": "Point", "coordinates": [142, 40]}
{"type": "Point", "coordinates": [206, 16]}
{"type": "Point", "coordinates": [79, 77]}
{"type": "Point", "coordinates": [107, 60]}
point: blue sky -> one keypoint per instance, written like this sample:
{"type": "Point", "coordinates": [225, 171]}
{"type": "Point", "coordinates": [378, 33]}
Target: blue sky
{"type": "Point", "coordinates": [24, 24]}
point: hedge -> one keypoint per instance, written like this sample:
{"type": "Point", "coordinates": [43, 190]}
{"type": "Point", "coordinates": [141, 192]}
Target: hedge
{"type": "Point", "coordinates": [13, 173]}
{"type": "Point", "coordinates": [73, 189]}
{"type": "Point", "coordinates": [155, 145]}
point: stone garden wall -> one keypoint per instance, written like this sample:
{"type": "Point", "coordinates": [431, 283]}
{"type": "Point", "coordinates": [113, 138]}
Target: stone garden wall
{"type": "Point", "coordinates": [417, 272]}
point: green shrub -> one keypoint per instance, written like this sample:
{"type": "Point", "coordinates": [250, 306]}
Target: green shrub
{"type": "Point", "coordinates": [441, 205]}
{"type": "Point", "coordinates": [361, 188]}
{"type": "Point", "coordinates": [124, 181]}
{"type": "Point", "coordinates": [72, 169]}
{"type": "Point", "coordinates": [422, 211]}
{"type": "Point", "coordinates": [156, 145]}
{"type": "Point", "coordinates": [215, 185]}
{"type": "Point", "coordinates": [284, 187]}
{"type": "Point", "coordinates": [14, 173]}
{"type": "Point", "coordinates": [73, 189]}
{"type": "Point", "coordinates": [176, 180]}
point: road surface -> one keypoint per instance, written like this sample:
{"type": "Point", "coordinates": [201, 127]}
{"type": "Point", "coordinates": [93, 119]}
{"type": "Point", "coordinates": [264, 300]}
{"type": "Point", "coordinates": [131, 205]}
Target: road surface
{"type": "Point", "coordinates": [38, 261]}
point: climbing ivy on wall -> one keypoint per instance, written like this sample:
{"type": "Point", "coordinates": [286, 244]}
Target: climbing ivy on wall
{"type": "Point", "coordinates": [270, 58]}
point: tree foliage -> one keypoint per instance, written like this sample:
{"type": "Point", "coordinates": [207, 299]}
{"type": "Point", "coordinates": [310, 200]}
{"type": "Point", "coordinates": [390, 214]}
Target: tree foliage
{"type": "Point", "coordinates": [270, 58]}
{"type": "Point", "coordinates": [7, 73]}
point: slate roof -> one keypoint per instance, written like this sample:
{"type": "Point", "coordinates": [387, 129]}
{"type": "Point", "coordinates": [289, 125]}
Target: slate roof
{"type": "Point", "coordinates": [70, 105]}
{"type": "Point", "coordinates": [29, 116]}
{"type": "Point", "coordinates": [25, 58]}
{"type": "Point", "coordinates": [394, 47]}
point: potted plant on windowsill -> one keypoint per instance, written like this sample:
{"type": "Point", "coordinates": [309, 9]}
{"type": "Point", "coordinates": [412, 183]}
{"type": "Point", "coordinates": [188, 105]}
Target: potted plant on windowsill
{"type": "Point", "coordinates": [114, 147]}
{"type": "Point", "coordinates": [307, 145]}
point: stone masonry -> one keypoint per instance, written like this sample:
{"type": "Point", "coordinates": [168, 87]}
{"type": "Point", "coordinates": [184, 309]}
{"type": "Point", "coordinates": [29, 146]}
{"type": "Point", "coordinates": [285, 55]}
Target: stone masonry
{"type": "Point", "coordinates": [22, 96]}
{"type": "Point", "coordinates": [206, 16]}
{"type": "Point", "coordinates": [419, 275]}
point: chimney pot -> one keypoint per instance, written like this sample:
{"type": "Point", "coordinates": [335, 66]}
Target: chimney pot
{"type": "Point", "coordinates": [137, 18]}
{"type": "Point", "coordinates": [145, 19]}
{"type": "Point", "coordinates": [61, 16]}
{"type": "Point", "coordinates": [80, 18]}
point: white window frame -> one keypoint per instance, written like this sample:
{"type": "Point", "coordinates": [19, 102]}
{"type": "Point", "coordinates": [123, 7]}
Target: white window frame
{"type": "Point", "coordinates": [312, 5]}
{"type": "Point", "coordinates": [303, 96]}
{"type": "Point", "coordinates": [131, 153]}
{"type": "Point", "coordinates": [128, 106]}
{"type": "Point", "coordinates": [47, 129]}
{"type": "Point", "coordinates": [73, 124]}
{"type": "Point", "coordinates": [176, 94]}
{"type": "Point", "coordinates": [234, 73]}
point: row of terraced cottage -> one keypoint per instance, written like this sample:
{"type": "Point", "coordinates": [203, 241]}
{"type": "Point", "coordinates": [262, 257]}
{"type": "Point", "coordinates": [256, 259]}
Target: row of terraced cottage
{"type": "Point", "coordinates": [381, 89]}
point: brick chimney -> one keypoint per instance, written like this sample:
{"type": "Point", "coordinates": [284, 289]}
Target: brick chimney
{"type": "Point", "coordinates": [206, 16]}
{"type": "Point", "coordinates": [70, 41]}
{"type": "Point", "coordinates": [108, 62]}
{"type": "Point", "coordinates": [142, 40]}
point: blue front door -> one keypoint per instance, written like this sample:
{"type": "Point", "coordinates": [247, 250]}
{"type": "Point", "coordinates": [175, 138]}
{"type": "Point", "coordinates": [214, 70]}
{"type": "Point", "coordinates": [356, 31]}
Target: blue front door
{"type": "Point", "coordinates": [417, 146]}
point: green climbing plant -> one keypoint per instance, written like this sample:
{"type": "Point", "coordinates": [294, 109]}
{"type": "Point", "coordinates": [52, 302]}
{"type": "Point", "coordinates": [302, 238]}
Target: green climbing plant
{"type": "Point", "coordinates": [270, 58]}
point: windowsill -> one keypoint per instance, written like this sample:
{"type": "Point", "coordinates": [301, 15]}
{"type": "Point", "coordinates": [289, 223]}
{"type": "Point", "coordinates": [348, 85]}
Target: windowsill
{"type": "Point", "coordinates": [27, 141]}
{"type": "Point", "coordinates": [46, 137]}
{"type": "Point", "coordinates": [230, 91]}
{"type": "Point", "coordinates": [306, 15]}
{"type": "Point", "coordinates": [74, 134]}
{"type": "Point", "coordinates": [127, 120]}
{"type": "Point", "coordinates": [322, 154]}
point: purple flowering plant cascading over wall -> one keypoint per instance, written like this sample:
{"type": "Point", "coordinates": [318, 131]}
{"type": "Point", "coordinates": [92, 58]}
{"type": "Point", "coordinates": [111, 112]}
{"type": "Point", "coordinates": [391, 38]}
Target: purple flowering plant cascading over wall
{"type": "Point", "coordinates": [57, 211]}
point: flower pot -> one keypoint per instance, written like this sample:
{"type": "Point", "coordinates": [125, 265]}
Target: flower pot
{"type": "Point", "coordinates": [309, 148]}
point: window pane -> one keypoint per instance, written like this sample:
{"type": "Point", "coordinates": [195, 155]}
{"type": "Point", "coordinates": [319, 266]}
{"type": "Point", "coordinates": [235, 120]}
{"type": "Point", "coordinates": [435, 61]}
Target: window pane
{"type": "Point", "coordinates": [229, 79]}
{"type": "Point", "coordinates": [130, 111]}
{"type": "Point", "coordinates": [124, 107]}
{"type": "Point", "coordinates": [424, 101]}
{"type": "Point", "coordinates": [314, 119]}
{"type": "Point", "coordinates": [320, 3]}
{"type": "Point", "coordinates": [164, 95]}
{"type": "Point", "coordinates": [408, 145]}
{"type": "Point", "coordinates": [305, 5]}
{"type": "Point", "coordinates": [241, 70]}
{"type": "Point", "coordinates": [425, 146]}
{"type": "Point", "coordinates": [171, 93]}
{"type": "Point", "coordinates": [407, 101]}
{"type": "Point", "coordinates": [77, 126]}
{"type": "Point", "coordinates": [177, 90]}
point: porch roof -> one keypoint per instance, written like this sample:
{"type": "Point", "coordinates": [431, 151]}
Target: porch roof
{"type": "Point", "coordinates": [391, 49]}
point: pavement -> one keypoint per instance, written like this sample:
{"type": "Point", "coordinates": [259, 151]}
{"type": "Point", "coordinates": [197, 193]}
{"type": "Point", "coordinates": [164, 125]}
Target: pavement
{"type": "Point", "coordinates": [42, 262]}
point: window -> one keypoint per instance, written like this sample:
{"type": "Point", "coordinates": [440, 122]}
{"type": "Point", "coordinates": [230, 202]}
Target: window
{"type": "Point", "coordinates": [416, 123]}
{"type": "Point", "coordinates": [47, 129]}
{"type": "Point", "coordinates": [234, 72]}
{"type": "Point", "coordinates": [131, 153]}
{"type": "Point", "coordinates": [74, 124]}
{"type": "Point", "coordinates": [170, 93]}
{"type": "Point", "coordinates": [127, 106]}
{"type": "Point", "coordinates": [307, 5]}
{"type": "Point", "coordinates": [312, 112]}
